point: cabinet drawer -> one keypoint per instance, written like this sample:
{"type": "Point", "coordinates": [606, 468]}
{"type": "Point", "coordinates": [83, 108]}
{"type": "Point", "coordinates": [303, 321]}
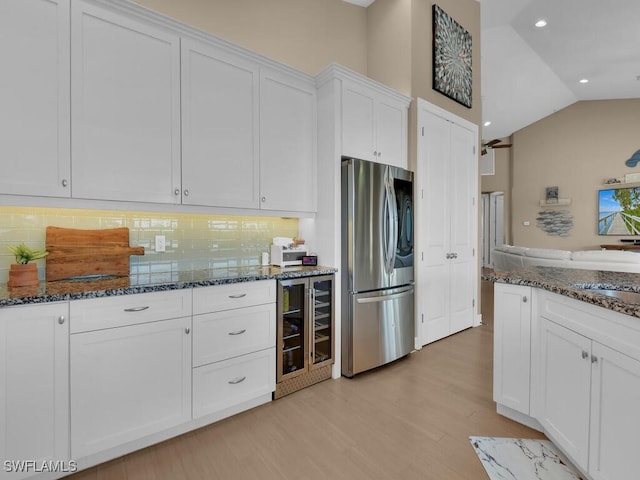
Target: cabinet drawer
{"type": "Point", "coordinates": [222, 335]}
{"type": "Point", "coordinates": [234, 295]}
{"type": "Point", "coordinates": [224, 384]}
{"type": "Point", "coordinates": [122, 310]}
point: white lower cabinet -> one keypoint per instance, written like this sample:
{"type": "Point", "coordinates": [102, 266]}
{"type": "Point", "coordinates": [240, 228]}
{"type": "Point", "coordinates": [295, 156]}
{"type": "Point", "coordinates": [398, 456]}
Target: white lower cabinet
{"type": "Point", "coordinates": [615, 420]}
{"type": "Point", "coordinates": [234, 332]}
{"type": "Point", "coordinates": [221, 385]}
{"type": "Point", "coordinates": [512, 346]}
{"type": "Point", "coordinates": [566, 388]}
{"type": "Point", "coordinates": [34, 387]}
{"type": "Point", "coordinates": [590, 402]}
{"type": "Point", "coordinates": [130, 381]}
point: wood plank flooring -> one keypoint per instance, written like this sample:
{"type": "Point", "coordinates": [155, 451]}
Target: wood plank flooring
{"type": "Point", "coordinates": [407, 420]}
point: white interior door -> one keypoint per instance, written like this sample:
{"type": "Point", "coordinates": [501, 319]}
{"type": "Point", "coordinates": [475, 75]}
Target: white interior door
{"type": "Point", "coordinates": [433, 222]}
{"type": "Point", "coordinates": [447, 232]}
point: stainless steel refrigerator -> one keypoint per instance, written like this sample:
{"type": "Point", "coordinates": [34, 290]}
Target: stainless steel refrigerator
{"type": "Point", "coordinates": [378, 319]}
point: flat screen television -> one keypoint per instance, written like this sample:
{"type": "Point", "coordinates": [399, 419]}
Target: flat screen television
{"type": "Point", "coordinates": [619, 211]}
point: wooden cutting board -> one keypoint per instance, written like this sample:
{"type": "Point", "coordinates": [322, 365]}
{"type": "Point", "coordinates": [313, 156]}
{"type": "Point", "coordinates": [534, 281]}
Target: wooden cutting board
{"type": "Point", "coordinates": [74, 252]}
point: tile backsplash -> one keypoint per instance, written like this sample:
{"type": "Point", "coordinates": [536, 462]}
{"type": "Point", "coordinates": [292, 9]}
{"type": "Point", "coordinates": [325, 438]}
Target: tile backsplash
{"type": "Point", "coordinates": [193, 241]}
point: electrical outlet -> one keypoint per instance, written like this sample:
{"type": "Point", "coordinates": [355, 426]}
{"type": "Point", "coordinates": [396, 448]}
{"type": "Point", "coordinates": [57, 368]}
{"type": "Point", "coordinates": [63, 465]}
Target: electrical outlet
{"type": "Point", "coordinates": [160, 243]}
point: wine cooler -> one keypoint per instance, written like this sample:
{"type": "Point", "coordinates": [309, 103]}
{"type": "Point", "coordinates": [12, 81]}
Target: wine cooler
{"type": "Point", "coordinates": [305, 343]}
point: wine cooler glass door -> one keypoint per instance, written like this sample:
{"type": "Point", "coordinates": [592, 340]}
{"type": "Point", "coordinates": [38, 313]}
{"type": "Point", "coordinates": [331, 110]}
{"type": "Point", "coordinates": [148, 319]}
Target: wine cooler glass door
{"type": "Point", "coordinates": [322, 336]}
{"type": "Point", "coordinates": [293, 333]}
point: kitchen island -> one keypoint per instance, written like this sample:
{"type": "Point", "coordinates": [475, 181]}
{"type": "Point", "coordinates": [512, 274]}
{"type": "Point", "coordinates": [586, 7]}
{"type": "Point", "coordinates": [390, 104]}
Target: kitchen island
{"type": "Point", "coordinates": [583, 285]}
{"type": "Point", "coordinates": [567, 362]}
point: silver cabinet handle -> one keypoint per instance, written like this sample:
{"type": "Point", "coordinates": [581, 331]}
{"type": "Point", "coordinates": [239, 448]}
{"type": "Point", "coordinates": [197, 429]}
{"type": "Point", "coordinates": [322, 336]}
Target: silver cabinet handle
{"type": "Point", "coordinates": [186, 192]}
{"type": "Point", "coordinates": [239, 295]}
{"type": "Point", "coordinates": [187, 330]}
{"type": "Point", "coordinates": [585, 354]}
{"type": "Point", "coordinates": [136, 309]}
{"type": "Point", "coordinates": [525, 299]}
{"type": "Point", "coordinates": [65, 182]}
{"type": "Point", "coordinates": [594, 359]}
{"type": "Point", "coordinates": [176, 192]}
{"type": "Point", "coordinates": [61, 319]}
{"type": "Point", "coordinates": [263, 199]}
{"type": "Point", "coordinates": [238, 332]}
{"type": "Point", "coordinates": [237, 380]}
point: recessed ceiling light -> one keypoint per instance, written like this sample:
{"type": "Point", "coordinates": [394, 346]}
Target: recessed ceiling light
{"type": "Point", "coordinates": [584, 80]}
{"type": "Point", "coordinates": [541, 23]}
{"type": "Point", "coordinates": [486, 124]}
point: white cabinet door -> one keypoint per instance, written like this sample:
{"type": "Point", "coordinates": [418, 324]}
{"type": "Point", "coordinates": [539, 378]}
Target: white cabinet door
{"type": "Point", "coordinates": [125, 79]}
{"type": "Point", "coordinates": [565, 358]}
{"type": "Point", "coordinates": [358, 122]}
{"type": "Point", "coordinates": [220, 162]}
{"type": "Point", "coordinates": [447, 211]}
{"type": "Point", "coordinates": [391, 133]}
{"type": "Point", "coordinates": [34, 94]}
{"type": "Point", "coordinates": [129, 382]}
{"type": "Point", "coordinates": [615, 420]}
{"type": "Point", "coordinates": [287, 143]}
{"type": "Point", "coordinates": [34, 384]}
{"type": "Point", "coordinates": [512, 346]}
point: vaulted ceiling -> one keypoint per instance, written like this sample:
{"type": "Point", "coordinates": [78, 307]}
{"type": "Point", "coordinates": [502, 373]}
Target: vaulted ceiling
{"type": "Point", "coordinates": [529, 73]}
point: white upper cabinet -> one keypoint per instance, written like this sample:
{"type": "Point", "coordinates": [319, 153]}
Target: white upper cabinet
{"type": "Point", "coordinates": [287, 142]}
{"type": "Point", "coordinates": [374, 125]}
{"type": "Point", "coordinates": [220, 163]}
{"type": "Point", "coordinates": [34, 94]}
{"type": "Point", "coordinates": [125, 97]}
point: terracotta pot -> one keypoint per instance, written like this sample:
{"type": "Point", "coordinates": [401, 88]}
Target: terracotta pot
{"type": "Point", "coordinates": [23, 275]}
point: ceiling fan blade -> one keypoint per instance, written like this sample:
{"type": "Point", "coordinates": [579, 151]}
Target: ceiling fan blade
{"type": "Point", "coordinates": [483, 152]}
{"type": "Point", "coordinates": [506, 145]}
{"type": "Point", "coordinates": [492, 142]}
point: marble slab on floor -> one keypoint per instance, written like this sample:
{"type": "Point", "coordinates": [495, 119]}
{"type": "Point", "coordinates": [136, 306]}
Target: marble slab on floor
{"type": "Point", "coordinates": [523, 459]}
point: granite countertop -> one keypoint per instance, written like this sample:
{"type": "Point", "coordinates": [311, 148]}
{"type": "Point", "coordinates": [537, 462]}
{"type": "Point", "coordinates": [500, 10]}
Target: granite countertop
{"type": "Point", "coordinates": [579, 284]}
{"type": "Point", "coordinates": [149, 282]}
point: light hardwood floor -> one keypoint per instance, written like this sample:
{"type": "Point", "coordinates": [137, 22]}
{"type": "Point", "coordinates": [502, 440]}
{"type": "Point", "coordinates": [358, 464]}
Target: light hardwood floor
{"type": "Point", "coordinates": [407, 420]}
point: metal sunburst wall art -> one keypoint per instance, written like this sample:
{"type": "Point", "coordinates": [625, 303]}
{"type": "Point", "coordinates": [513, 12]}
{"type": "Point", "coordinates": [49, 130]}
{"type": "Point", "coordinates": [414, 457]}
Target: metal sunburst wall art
{"type": "Point", "coordinates": [451, 58]}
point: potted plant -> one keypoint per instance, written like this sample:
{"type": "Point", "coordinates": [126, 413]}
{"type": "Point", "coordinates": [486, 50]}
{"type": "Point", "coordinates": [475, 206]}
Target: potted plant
{"type": "Point", "coordinates": [22, 273]}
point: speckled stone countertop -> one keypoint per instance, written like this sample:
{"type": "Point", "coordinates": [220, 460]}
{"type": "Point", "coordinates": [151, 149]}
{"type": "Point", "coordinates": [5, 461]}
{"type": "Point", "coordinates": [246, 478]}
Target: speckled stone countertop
{"type": "Point", "coordinates": [579, 284]}
{"type": "Point", "coordinates": [151, 282]}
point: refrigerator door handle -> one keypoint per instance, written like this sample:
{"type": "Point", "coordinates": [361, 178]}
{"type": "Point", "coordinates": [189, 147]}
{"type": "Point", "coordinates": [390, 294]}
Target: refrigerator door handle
{"type": "Point", "coordinates": [394, 216]}
{"type": "Point", "coordinates": [384, 298]}
{"type": "Point", "coordinates": [391, 223]}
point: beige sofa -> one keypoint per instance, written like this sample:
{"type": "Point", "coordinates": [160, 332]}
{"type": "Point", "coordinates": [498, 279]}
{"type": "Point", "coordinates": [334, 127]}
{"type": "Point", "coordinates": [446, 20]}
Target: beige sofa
{"type": "Point", "coordinates": [509, 257]}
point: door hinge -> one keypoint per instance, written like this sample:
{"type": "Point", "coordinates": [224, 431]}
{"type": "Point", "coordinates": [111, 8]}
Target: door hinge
{"type": "Point", "coordinates": [473, 252]}
{"type": "Point", "coordinates": [422, 256]}
{"type": "Point", "coordinates": [422, 317]}
{"type": "Point", "coordinates": [422, 193]}
{"type": "Point", "coordinates": [473, 302]}
{"type": "Point", "coordinates": [474, 149]}
{"type": "Point", "coordinates": [423, 131]}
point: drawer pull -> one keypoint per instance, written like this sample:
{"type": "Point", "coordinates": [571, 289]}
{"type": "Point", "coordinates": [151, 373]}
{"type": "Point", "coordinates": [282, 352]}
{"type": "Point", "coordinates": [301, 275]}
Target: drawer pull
{"type": "Point", "coordinates": [237, 380]}
{"type": "Point", "coordinates": [136, 309]}
{"type": "Point", "coordinates": [240, 295]}
{"type": "Point", "coordinates": [238, 332]}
